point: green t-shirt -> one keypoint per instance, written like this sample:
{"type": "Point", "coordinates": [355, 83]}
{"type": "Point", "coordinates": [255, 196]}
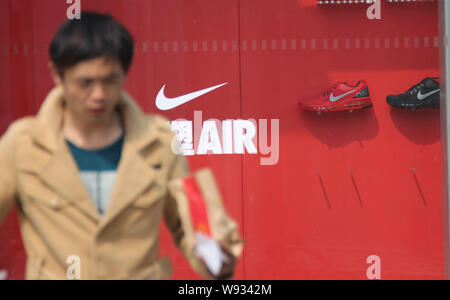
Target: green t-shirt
{"type": "Point", "coordinates": [98, 169]}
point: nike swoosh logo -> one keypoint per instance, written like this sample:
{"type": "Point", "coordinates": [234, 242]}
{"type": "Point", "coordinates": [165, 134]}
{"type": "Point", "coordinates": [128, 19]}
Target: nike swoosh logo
{"type": "Point", "coordinates": [165, 103]}
{"type": "Point", "coordinates": [421, 96]}
{"type": "Point", "coordinates": [334, 99]}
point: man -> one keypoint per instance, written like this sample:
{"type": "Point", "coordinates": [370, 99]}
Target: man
{"type": "Point", "coordinates": [89, 173]}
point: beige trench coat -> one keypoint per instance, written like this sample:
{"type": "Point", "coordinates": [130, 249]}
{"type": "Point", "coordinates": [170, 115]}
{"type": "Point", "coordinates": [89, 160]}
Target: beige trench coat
{"type": "Point", "coordinates": [57, 217]}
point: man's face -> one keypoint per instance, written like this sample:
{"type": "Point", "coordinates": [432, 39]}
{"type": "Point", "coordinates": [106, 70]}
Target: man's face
{"type": "Point", "coordinates": [92, 89]}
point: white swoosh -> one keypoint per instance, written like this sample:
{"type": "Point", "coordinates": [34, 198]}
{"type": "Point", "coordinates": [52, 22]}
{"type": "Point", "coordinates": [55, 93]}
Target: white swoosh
{"type": "Point", "coordinates": [164, 103]}
{"type": "Point", "coordinates": [334, 99]}
{"type": "Point", "coordinates": [421, 97]}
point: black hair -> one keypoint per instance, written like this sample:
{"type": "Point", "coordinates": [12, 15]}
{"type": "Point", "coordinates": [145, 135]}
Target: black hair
{"type": "Point", "coordinates": [94, 35]}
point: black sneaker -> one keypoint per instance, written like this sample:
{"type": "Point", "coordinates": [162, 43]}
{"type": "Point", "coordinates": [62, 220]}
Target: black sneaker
{"type": "Point", "coordinates": [425, 94]}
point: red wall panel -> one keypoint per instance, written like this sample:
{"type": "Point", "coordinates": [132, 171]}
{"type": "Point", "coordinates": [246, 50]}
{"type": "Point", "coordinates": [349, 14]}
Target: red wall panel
{"type": "Point", "coordinates": [346, 186]}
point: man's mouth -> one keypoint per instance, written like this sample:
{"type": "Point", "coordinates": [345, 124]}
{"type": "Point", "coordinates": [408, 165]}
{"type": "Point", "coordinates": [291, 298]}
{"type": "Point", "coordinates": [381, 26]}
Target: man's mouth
{"type": "Point", "coordinates": [97, 111]}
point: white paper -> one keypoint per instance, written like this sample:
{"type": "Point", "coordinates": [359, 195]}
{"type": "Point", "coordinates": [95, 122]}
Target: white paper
{"type": "Point", "coordinates": [211, 253]}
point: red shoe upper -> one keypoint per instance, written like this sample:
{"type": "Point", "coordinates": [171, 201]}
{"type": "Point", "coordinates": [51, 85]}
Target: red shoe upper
{"type": "Point", "coordinates": [339, 94]}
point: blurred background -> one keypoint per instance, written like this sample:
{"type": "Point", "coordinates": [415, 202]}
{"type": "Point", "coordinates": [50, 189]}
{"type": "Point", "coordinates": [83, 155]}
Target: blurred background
{"type": "Point", "coordinates": [346, 186]}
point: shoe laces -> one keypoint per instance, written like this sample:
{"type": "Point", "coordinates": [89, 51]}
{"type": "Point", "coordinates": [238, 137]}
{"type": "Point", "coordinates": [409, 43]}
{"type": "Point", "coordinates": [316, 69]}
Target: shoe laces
{"type": "Point", "coordinates": [330, 90]}
{"type": "Point", "coordinates": [416, 88]}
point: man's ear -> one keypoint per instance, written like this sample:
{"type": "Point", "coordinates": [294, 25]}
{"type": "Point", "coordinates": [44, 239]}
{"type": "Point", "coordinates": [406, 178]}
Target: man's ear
{"type": "Point", "coordinates": [54, 73]}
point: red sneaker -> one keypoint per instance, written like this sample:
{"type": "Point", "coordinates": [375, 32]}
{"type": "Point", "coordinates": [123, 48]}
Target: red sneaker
{"type": "Point", "coordinates": [342, 96]}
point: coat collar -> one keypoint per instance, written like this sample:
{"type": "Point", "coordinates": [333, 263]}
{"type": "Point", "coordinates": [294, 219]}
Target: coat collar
{"type": "Point", "coordinates": [48, 129]}
{"type": "Point", "coordinates": [60, 173]}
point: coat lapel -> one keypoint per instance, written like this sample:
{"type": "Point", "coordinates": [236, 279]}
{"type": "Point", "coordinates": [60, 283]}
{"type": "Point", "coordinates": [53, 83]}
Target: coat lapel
{"type": "Point", "coordinates": [60, 173]}
{"type": "Point", "coordinates": [134, 175]}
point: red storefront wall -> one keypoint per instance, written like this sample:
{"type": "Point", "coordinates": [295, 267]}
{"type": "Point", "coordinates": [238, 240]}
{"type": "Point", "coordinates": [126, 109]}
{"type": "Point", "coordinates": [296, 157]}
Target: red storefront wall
{"type": "Point", "coordinates": [346, 185]}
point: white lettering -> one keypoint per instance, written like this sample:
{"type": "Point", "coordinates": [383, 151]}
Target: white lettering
{"type": "Point", "coordinates": [74, 270]}
{"type": "Point", "coordinates": [274, 149]}
{"type": "Point", "coordinates": [74, 11]}
{"type": "Point", "coordinates": [227, 133]}
{"type": "Point", "coordinates": [244, 132]}
{"type": "Point", "coordinates": [183, 131]}
{"type": "Point", "coordinates": [374, 271]}
{"type": "Point", "coordinates": [226, 137]}
{"type": "Point", "coordinates": [374, 11]}
{"type": "Point", "coordinates": [198, 290]}
{"type": "Point", "coordinates": [209, 139]}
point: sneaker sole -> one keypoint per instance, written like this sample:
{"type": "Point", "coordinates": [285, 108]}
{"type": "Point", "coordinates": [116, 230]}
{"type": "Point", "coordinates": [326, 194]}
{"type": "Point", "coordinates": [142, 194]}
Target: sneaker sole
{"type": "Point", "coordinates": [414, 106]}
{"type": "Point", "coordinates": [360, 105]}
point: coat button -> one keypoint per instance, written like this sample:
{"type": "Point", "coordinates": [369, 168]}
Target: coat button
{"type": "Point", "coordinates": [54, 201]}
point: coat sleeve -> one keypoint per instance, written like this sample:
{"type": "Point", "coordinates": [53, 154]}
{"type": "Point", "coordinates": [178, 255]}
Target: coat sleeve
{"type": "Point", "coordinates": [173, 221]}
{"type": "Point", "coordinates": [7, 173]}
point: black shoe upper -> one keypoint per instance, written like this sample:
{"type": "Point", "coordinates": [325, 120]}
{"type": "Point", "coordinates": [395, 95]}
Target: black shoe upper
{"type": "Point", "coordinates": [423, 94]}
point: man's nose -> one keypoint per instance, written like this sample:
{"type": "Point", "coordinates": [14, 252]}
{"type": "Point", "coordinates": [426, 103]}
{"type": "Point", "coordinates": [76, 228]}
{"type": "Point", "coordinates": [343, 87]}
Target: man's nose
{"type": "Point", "coordinates": [98, 94]}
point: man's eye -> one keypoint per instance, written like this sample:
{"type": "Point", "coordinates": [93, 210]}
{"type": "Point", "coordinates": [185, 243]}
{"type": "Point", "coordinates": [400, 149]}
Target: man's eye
{"type": "Point", "coordinates": [112, 80]}
{"type": "Point", "coordinates": [85, 83]}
